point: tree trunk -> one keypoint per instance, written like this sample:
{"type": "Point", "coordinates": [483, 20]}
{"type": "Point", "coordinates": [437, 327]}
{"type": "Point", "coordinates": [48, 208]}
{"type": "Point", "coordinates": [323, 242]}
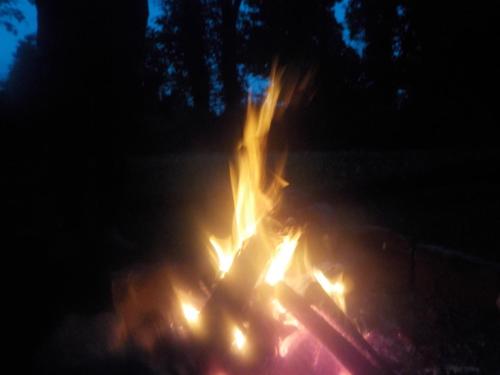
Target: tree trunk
{"type": "Point", "coordinates": [194, 54]}
{"type": "Point", "coordinates": [229, 73]}
{"type": "Point", "coordinates": [91, 61]}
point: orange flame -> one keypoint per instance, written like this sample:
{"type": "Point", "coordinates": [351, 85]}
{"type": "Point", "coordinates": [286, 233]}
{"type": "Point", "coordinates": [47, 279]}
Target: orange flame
{"type": "Point", "coordinates": [239, 339]}
{"type": "Point", "coordinates": [253, 198]}
{"type": "Point", "coordinates": [190, 312]}
{"type": "Point", "coordinates": [282, 258]}
{"type": "Point", "coordinates": [189, 307]}
{"type": "Point", "coordinates": [335, 289]}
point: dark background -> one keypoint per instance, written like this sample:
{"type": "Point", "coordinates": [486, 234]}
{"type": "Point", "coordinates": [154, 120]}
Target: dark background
{"type": "Point", "coordinates": [110, 126]}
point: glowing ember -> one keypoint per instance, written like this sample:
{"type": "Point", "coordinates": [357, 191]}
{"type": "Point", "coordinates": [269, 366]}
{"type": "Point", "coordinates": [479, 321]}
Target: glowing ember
{"type": "Point", "coordinates": [288, 341]}
{"type": "Point", "coordinates": [189, 307]}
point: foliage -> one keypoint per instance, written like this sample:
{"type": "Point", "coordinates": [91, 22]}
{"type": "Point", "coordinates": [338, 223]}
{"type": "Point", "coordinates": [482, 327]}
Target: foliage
{"type": "Point", "coordinates": [23, 77]}
{"type": "Point", "coordinates": [415, 77]}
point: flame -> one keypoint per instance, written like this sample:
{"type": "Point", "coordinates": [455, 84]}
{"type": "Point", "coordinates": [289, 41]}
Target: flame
{"type": "Point", "coordinates": [191, 313]}
{"type": "Point", "coordinates": [335, 289]}
{"type": "Point", "coordinates": [254, 200]}
{"type": "Point", "coordinates": [253, 197]}
{"type": "Point", "coordinates": [278, 308]}
{"type": "Point", "coordinates": [239, 339]}
{"type": "Point", "coordinates": [224, 254]}
{"type": "Point", "coordinates": [286, 344]}
{"type": "Point", "coordinates": [282, 258]}
{"type": "Point", "coordinates": [189, 308]}
{"type": "Point", "coordinates": [282, 314]}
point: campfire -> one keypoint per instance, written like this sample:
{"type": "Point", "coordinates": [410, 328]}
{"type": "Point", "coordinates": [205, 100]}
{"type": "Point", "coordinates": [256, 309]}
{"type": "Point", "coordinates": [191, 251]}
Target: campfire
{"type": "Point", "coordinates": [269, 309]}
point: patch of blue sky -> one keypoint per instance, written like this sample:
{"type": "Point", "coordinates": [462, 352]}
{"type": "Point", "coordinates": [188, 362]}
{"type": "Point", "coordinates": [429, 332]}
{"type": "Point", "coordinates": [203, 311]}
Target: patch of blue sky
{"type": "Point", "coordinates": [356, 42]}
{"type": "Point", "coordinates": [189, 100]}
{"type": "Point", "coordinates": [155, 11]}
{"type": "Point", "coordinates": [396, 47]}
{"type": "Point", "coordinates": [167, 88]}
{"type": "Point", "coordinates": [248, 17]}
{"type": "Point", "coordinates": [213, 22]}
{"type": "Point", "coordinates": [9, 41]}
{"type": "Point", "coordinates": [216, 102]}
{"type": "Point", "coordinates": [400, 10]}
{"type": "Point", "coordinates": [254, 84]}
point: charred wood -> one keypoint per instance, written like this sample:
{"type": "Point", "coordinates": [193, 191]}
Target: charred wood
{"type": "Point", "coordinates": [350, 357]}
{"type": "Point", "coordinates": [315, 295]}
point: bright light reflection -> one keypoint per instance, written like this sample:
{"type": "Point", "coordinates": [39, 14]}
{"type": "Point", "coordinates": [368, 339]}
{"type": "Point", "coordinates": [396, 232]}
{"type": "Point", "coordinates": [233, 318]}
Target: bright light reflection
{"type": "Point", "coordinates": [336, 289]}
{"type": "Point", "coordinates": [239, 339]}
{"type": "Point", "coordinates": [190, 312]}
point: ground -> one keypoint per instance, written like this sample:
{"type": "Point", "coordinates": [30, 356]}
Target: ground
{"type": "Point", "coordinates": [371, 208]}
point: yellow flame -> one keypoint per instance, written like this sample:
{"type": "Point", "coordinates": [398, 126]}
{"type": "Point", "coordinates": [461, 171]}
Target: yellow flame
{"type": "Point", "coordinates": [191, 313]}
{"type": "Point", "coordinates": [253, 197]}
{"type": "Point", "coordinates": [288, 342]}
{"type": "Point", "coordinates": [282, 258]}
{"type": "Point", "coordinates": [282, 314]}
{"type": "Point", "coordinates": [278, 308]}
{"type": "Point", "coordinates": [189, 307]}
{"type": "Point", "coordinates": [239, 339]}
{"type": "Point", "coordinates": [224, 254]}
{"type": "Point", "coordinates": [335, 289]}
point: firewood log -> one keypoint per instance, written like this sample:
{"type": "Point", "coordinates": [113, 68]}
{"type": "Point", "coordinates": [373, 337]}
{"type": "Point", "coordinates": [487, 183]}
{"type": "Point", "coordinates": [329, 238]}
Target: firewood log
{"type": "Point", "coordinates": [229, 300]}
{"type": "Point", "coordinates": [315, 295]}
{"type": "Point", "coordinates": [347, 354]}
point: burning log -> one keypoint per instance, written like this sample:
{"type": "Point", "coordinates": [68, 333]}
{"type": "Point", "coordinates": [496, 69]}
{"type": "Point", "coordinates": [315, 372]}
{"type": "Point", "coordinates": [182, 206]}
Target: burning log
{"type": "Point", "coordinates": [226, 309]}
{"type": "Point", "coordinates": [350, 357]}
{"type": "Point", "coordinates": [234, 289]}
{"type": "Point", "coordinates": [315, 295]}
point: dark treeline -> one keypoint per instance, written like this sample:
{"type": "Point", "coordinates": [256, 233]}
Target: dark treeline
{"type": "Point", "coordinates": [423, 79]}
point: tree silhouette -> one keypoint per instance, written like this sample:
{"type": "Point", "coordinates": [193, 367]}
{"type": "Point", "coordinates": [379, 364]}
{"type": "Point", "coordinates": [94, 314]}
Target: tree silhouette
{"type": "Point", "coordinates": [194, 50]}
{"type": "Point", "coordinates": [413, 80]}
{"type": "Point", "coordinates": [178, 50]}
{"type": "Point", "coordinates": [229, 51]}
{"type": "Point", "coordinates": [376, 20]}
{"type": "Point", "coordinates": [24, 78]}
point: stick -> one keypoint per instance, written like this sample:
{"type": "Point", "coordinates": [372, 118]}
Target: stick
{"type": "Point", "coordinates": [316, 296]}
{"type": "Point", "coordinates": [343, 350]}
{"type": "Point", "coordinates": [234, 289]}
{"type": "Point", "coordinates": [232, 293]}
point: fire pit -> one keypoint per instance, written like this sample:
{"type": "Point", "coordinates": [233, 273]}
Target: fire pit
{"type": "Point", "coordinates": [269, 309]}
